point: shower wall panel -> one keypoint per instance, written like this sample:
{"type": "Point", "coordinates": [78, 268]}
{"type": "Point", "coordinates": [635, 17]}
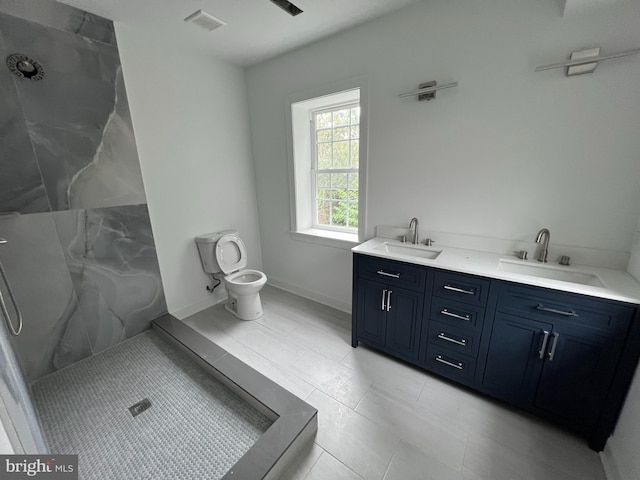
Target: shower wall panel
{"type": "Point", "coordinates": [81, 256]}
{"type": "Point", "coordinates": [62, 17]}
{"type": "Point", "coordinates": [53, 335]}
{"type": "Point", "coordinates": [21, 185]}
{"type": "Point", "coordinates": [77, 117]}
{"type": "Point", "coordinates": [112, 260]}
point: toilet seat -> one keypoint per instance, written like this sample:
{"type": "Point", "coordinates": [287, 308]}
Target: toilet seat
{"type": "Point", "coordinates": [231, 253]}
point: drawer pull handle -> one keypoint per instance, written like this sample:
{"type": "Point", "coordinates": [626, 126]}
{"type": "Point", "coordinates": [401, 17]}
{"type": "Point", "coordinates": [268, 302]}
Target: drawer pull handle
{"type": "Point", "coordinates": [454, 365]}
{"type": "Point", "coordinates": [552, 353]}
{"type": "Point", "coordinates": [386, 274]}
{"type": "Point", "coordinates": [461, 342]}
{"type": "Point", "coordinates": [466, 318]}
{"type": "Point", "coordinates": [383, 307]}
{"type": "Point", "coordinates": [570, 313]}
{"type": "Point", "coordinates": [389, 292]}
{"type": "Point", "coordinates": [460, 290]}
{"type": "Point", "coordinates": [543, 348]}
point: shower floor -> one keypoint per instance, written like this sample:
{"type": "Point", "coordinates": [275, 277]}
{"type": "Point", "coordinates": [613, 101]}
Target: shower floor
{"type": "Point", "coordinates": [195, 427]}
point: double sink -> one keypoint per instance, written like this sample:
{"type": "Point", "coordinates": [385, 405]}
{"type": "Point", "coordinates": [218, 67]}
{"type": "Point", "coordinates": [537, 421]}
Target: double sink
{"type": "Point", "coordinates": [518, 267]}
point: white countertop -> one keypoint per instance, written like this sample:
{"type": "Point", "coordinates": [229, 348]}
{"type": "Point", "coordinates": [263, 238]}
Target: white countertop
{"type": "Point", "coordinates": [618, 284]}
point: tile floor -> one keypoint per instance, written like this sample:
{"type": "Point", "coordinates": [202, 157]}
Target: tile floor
{"type": "Point", "coordinates": [380, 418]}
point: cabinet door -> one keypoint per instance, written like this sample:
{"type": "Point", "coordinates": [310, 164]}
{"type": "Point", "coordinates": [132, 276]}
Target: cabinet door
{"type": "Point", "coordinates": [575, 381]}
{"type": "Point", "coordinates": [370, 317]}
{"type": "Point", "coordinates": [513, 363]}
{"type": "Point", "coordinates": [403, 321]}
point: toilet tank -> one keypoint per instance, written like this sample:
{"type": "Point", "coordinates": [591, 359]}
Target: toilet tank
{"type": "Point", "coordinates": [207, 247]}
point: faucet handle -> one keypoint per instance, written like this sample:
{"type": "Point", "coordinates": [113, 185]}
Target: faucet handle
{"type": "Point", "coordinates": [428, 242]}
{"type": "Point", "coordinates": [565, 260]}
{"type": "Point", "coordinates": [521, 254]}
{"type": "Point", "coordinates": [402, 238]}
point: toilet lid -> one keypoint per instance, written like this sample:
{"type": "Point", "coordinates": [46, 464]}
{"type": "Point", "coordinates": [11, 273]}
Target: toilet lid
{"type": "Point", "coordinates": [231, 253]}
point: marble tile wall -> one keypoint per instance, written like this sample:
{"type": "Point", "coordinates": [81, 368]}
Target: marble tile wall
{"type": "Point", "coordinates": [80, 254]}
{"type": "Point", "coordinates": [62, 17]}
{"type": "Point", "coordinates": [77, 118]}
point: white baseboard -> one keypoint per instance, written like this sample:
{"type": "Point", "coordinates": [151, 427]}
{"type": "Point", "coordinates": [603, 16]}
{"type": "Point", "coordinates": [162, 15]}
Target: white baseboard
{"type": "Point", "coordinates": [196, 307]}
{"type": "Point", "coordinates": [310, 294]}
{"type": "Point", "coordinates": [184, 312]}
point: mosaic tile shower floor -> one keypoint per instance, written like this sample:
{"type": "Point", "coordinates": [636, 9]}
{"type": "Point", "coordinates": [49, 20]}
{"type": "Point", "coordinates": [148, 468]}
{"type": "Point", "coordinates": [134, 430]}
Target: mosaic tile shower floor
{"type": "Point", "coordinates": [195, 427]}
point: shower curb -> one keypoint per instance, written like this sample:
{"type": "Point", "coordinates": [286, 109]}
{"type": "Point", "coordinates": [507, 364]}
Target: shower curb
{"type": "Point", "coordinates": [295, 421]}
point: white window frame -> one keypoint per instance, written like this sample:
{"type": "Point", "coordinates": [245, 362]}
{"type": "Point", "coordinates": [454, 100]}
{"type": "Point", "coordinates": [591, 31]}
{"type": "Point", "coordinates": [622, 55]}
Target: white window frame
{"type": "Point", "coordinates": [315, 170]}
{"type": "Point", "coordinates": [299, 109]}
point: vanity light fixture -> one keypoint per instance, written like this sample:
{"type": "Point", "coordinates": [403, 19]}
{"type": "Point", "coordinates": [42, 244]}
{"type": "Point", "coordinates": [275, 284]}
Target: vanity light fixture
{"type": "Point", "coordinates": [427, 91]}
{"type": "Point", "coordinates": [586, 61]}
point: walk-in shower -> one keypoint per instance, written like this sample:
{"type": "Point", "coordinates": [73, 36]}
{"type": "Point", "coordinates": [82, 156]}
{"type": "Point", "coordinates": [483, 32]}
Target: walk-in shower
{"type": "Point", "coordinates": [216, 418]}
{"type": "Point", "coordinates": [81, 260]}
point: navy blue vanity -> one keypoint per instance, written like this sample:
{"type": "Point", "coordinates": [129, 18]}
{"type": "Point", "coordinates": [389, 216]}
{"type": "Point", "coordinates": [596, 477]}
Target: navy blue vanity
{"type": "Point", "coordinates": [564, 356]}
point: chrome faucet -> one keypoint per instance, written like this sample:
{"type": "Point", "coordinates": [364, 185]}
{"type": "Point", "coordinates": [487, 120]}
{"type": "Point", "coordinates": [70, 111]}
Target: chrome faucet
{"type": "Point", "coordinates": [413, 224]}
{"type": "Point", "coordinates": [542, 256]}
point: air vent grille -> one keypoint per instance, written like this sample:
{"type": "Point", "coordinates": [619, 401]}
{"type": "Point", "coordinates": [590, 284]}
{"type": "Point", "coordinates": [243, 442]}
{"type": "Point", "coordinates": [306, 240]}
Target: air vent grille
{"type": "Point", "coordinates": [205, 21]}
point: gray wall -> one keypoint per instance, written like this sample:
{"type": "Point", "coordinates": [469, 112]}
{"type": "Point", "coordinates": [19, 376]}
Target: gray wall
{"type": "Point", "coordinates": [80, 255]}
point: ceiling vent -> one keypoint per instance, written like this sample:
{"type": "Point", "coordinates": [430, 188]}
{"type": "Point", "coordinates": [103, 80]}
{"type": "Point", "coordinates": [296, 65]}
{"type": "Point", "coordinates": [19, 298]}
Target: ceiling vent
{"type": "Point", "coordinates": [204, 20]}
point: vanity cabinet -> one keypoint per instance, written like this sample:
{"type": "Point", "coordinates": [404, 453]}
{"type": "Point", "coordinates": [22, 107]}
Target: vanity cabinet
{"type": "Point", "coordinates": [389, 304]}
{"type": "Point", "coordinates": [555, 353]}
{"type": "Point", "coordinates": [454, 326]}
{"type": "Point", "coordinates": [563, 356]}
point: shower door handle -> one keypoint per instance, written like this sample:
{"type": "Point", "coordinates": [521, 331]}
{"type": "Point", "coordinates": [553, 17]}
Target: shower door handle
{"type": "Point", "coordinates": [3, 306]}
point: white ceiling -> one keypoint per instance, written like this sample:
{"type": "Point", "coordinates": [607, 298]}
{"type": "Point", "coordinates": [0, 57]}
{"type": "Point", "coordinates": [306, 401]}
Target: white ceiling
{"type": "Point", "coordinates": [256, 29]}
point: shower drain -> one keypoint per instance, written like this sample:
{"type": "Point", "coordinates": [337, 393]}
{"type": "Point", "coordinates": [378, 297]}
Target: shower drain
{"type": "Point", "coordinates": [140, 407]}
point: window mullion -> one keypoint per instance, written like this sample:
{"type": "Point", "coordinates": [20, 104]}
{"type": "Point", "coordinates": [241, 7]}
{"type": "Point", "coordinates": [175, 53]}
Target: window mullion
{"type": "Point", "coordinates": [334, 170]}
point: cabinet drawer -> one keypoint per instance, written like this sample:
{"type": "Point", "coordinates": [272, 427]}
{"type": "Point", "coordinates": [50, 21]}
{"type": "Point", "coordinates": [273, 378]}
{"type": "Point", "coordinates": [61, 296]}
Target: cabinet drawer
{"type": "Point", "coordinates": [457, 314]}
{"type": "Point", "coordinates": [450, 364]}
{"type": "Point", "coordinates": [461, 288]}
{"type": "Point", "coordinates": [394, 273]}
{"type": "Point", "coordinates": [543, 305]}
{"type": "Point", "coordinates": [455, 339]}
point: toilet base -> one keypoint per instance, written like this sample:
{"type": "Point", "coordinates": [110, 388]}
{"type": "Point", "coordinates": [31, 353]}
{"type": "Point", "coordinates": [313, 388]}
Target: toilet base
{"type": "Point", "coordinates": [247, 307]}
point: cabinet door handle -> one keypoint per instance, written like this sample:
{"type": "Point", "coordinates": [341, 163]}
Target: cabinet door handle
{"type": "Point", "coordinates": [461, 342]}
{"type": "Point", "coordinates": [454, 365]}
{"type": "Point", "coordinates": [543, 348]}
{"type": "Point", "coordinates": [384, 294]}
{"type": "Point", "coordinates": [570, 313]}
{"type": "Point", "coordinates": [389, 292]}
{"type": "Point", "coordinates": [466, 318]}
{"type": "Point", "coordinates": [387, 274]}
{"type": "Point", "coordinates": [553, 346]}
{"type": "Point", "coordinates": [460, 290]}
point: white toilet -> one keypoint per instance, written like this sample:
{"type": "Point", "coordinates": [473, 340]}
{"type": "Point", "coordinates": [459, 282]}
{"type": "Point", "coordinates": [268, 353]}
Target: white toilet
{"type": "Point", "coordinates": [223, 254]}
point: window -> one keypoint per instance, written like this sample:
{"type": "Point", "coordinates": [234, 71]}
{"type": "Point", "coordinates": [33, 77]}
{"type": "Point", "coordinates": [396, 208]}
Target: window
{"type": "Point", "coordinates": [334, 167]}
{"type": "Point", "coordinates": [328, 155]}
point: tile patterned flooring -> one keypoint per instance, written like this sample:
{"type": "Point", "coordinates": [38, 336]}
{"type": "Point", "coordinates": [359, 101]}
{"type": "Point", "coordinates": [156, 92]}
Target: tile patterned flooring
{"type": "Point", "coordinates": [380, 418]}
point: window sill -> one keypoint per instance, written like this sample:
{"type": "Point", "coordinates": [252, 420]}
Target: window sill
{"type": "Point", "coordinates": [327, 238]}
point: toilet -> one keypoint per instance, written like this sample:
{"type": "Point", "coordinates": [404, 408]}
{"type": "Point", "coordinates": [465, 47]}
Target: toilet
{"type": "Point", "coordinates": [224, 256]}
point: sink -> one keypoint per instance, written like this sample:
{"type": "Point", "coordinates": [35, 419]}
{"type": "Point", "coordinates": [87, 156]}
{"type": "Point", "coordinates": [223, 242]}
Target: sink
{"type": "Point", "coordinates": [563, 274]}
{"type": "Point", "coordinates": [408, 250]}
